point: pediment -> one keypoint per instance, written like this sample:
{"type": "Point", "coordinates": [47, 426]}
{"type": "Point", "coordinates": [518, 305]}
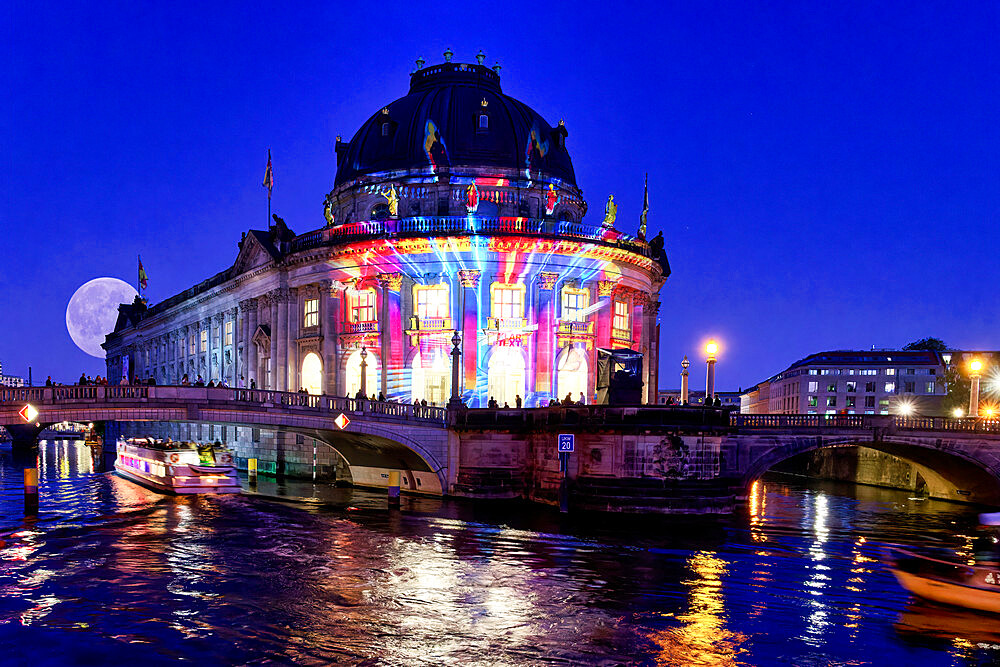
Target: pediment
{"type": "Point", "coordinates": [252, 255]}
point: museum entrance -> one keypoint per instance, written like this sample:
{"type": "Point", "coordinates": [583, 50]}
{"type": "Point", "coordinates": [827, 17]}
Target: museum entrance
{"type": "Point", "coordinates": [506, 376]}
{"type": "Point", "coordinates": [431, 377]}
{"type": "Point", "coordinates": [352, 374]}
{"type": "Point", "coordinates": [312, 373]}
{"type": "Point", "coordinates": [571, 375]}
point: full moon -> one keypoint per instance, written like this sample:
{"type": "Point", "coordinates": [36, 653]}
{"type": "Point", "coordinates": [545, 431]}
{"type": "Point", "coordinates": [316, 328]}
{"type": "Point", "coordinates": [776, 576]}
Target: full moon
{"type": "Point", "coordinates": [93, 311]}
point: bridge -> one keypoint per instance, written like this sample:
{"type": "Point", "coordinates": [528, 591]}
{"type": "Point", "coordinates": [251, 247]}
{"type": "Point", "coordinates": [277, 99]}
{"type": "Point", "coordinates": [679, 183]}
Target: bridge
{"type": "Point", "coordinates": [630, 458]}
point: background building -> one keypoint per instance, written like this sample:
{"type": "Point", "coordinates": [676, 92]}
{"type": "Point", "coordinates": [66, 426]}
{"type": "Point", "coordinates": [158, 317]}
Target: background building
{"type": "Point", "coordinates": [10, 380]}
{"type": "Point", "coordinates": [454, 215]}
{"type": "Point", "coordinates": [864, 382]}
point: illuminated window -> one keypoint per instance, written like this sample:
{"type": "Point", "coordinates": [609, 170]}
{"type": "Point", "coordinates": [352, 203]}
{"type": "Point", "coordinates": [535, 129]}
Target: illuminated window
{"type": "Point", "coordinates": [831, 401]}
{"type": "Point", "coordinates": [813, 402]}
{"type": "Point", "coordinates": [229, 333]}
{"type": "Point", "coordinates": [507, 301]}
{"type": "Point", "coordinates": [362, 305]}
{"type": "Point", "coordinates": [432, 301]}
{"type": "Point", "coordinates": [929, 388]}
{"type": "Point", "coordinates": [852, 386]}
{"type": "Point", "coordinates": [814, 386]}
{"type": "Point", "coordinates": [204, 340]}
{"type": "Point", "coordinates": [622, 316]}
{"type": "Point", "coordinates": [832, 387]}
{"type": "Point", "coordinates": [890, 387]}
{"type": "Point", "coordinates": [311, 318]}
{"type": "Point", "coordinates": [484, 122]}
{"type": "Point", "coordinates": [574, 301]}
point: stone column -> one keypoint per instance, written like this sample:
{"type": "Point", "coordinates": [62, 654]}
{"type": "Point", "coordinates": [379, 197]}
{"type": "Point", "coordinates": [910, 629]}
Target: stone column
{"type": "Point", "coordinates": [234, 347]}
{"type": "Point", "coordinates": [252, 354]}
{"type": "Point", "coordinates": [545, 338]}
{"type": "Point", "coordinates": [216, 346]}
{"type": "Point", "coordinates": [468, 321]}
{"type": "Point", "coordinates": [391, 333]}
{"type": "Point", "coordinates": [206, 356]}
{"type": "Point", "coordinates": [277, 330]}
{"type": "Point", "coordinates": [653, 345]}
{"type": "Point", "coordinates": [327, 329]}
{"type": "Point", "coordinates": [292, 354]}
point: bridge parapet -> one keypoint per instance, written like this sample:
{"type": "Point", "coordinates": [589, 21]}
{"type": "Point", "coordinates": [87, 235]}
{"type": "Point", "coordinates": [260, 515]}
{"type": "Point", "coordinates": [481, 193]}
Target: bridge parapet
{"type": "Point", "coordinates": [864, 422]}
{"type": "Point", "coordinates": [153, 396]}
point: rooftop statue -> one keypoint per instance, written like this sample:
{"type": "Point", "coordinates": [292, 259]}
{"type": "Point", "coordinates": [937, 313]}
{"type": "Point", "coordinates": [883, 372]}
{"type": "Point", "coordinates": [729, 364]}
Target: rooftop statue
{"type": "Point", "coordinates": [393, 198]}
{"type": "Point", "coordinates": [328, 212]}
{"type": "Point", "coordinates": [610, 212]}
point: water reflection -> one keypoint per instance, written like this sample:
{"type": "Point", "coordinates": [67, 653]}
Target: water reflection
{"type": "Point", "coordinates": [330, 576]}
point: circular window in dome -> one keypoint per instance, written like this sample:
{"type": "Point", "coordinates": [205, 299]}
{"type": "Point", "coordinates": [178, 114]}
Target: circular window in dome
{"type": "Point", "coordinates": [380, 212]}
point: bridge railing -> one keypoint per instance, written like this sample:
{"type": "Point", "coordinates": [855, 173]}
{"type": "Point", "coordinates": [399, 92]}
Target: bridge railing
{"type": "Point", "coordinates": [96, 394]}
{"type": "Point", "coordinates": [806, 421]}
{"type": "Point", "coordinates": [964, 425]}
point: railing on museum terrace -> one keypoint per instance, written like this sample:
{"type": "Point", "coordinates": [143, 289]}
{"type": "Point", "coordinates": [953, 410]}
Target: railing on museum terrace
{"type": "Point", "coordinates": [467, 226]}
{"type": "Point", "coordinates": [138, 395]}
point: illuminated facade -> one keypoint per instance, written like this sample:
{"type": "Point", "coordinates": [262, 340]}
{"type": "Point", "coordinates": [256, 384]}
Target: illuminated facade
{"type": "Point", "coordinates": [454, 209]}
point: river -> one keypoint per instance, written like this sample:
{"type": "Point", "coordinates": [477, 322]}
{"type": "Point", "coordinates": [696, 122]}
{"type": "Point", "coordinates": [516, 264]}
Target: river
{"type": "Point", "coordinates": [109, 572]}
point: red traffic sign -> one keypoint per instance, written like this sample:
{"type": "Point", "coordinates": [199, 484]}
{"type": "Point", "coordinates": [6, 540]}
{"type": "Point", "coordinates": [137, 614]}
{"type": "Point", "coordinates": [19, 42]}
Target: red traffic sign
{"type": "Point", "coordinates": [342, 421]}
{"type": "Point", "coordinates": [28, 412]}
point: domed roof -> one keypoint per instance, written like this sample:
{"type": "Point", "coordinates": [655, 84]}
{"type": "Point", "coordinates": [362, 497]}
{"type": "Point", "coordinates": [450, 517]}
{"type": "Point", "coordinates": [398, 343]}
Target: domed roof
{"type": "Point", "coordinates": [438, 124]}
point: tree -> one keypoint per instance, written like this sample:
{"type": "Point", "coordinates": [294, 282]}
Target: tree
{"type": "Point", "coordinates": [959, 386]}
{"type": "Point", "coordinates": [932, 344]}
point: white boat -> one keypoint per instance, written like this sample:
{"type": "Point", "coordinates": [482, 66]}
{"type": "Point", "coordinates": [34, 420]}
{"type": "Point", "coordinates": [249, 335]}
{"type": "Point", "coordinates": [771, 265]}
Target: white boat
{"type": "Point", "coordinates": [177, 467]}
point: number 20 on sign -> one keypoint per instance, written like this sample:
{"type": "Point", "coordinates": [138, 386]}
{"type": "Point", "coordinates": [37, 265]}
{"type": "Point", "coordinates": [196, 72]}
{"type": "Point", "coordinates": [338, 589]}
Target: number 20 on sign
{"type": "Point", "coordinates": [567, 441]}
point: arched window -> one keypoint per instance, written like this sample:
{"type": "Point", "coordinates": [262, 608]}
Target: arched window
{"type": "Point", "coordinates": [312, 373]}
{"type": "Point", "coordinates": [484, 123]}
{"type": "Point", "coordinates": [385, 129]}
{"type": "Point", "coordinates": [380, 212]}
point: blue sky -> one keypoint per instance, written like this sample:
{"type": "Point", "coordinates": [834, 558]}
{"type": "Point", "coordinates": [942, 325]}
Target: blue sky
{"type": "Point", "coordinates": [825, 174]}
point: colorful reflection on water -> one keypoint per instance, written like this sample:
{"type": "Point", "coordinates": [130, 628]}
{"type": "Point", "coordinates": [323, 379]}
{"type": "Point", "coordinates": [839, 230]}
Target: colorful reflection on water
{"type": "Point", "coordinates": [110, 571]}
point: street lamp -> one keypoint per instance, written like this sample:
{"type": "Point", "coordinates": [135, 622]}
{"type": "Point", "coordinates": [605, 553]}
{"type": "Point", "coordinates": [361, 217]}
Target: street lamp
{"type": "Point", "coordinates": [975, 371]}
{"type": "Point", "coordinates": [364, 372]}
{"type": "Point", "coordinates": [711, 349]}
{"type": "Point", "coordinates": [684, 380]}
{"type": "Point", "coordinates": [456, 363]}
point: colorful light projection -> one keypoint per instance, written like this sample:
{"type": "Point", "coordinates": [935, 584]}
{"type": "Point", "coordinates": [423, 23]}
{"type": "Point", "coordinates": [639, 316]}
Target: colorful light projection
{"type": "Point", "coordinates": [461, 266]}
{"type": "Point", "coordinates": [434, 146]}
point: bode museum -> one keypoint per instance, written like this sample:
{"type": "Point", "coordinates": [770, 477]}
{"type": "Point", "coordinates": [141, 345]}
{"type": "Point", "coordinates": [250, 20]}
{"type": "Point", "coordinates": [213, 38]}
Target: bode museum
{"type": "Point", "coordinates": [455, 220]}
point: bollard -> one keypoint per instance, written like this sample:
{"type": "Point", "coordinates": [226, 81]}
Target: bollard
{"type": "Point", "coordinates": [252, 472]}
{"type": "Point", "coordinates": [30, 491]}
{"type": "Point", "coordinates": [394, 488]}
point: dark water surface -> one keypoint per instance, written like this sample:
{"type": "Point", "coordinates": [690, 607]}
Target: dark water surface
{"type": "Point", "coordinates": [110, 572]}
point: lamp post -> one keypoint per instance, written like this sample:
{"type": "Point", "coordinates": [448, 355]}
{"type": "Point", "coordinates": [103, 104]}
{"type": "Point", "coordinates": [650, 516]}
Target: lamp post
{"type": "Point", "coordinates": [711, 349]}
{"type": "Point", "coordinates": [364, 372]}
{"type": "Point", "coordinates": [684, 380]}
{"type": "Point", "coordinates": [975, 370]}
{"type": "Point", "coordinates": [456, 364]}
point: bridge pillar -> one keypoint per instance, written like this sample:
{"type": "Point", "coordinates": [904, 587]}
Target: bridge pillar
{"type": "Point", "coordinates": [24, 436]}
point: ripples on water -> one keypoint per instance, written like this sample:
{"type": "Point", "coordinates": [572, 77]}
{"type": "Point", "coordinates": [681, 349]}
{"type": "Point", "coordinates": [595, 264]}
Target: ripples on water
{"type": "Point", "coordinates": [111, 572]}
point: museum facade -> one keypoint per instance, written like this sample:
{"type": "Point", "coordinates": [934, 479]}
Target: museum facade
{"type": "Point", "coordinates": [454, 220]}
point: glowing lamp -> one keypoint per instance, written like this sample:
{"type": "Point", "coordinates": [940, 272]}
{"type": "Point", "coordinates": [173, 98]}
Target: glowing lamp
{"type": "Point", "coordinates": [989, 412]}
{"type": "Point", "coordinates": [712, 348]}
{"type": "Point", "coordinates": [958, 413]}
{"type": "Point", "coordinates": [975, 366]}
{"type": "Point", "coordinates": [905, 408]}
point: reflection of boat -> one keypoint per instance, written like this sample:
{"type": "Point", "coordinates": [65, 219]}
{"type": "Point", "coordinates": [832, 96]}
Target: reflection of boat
{"type": "Point", "coordinates": [177, 467]}
{"type": "Point", "coordinates": [970, 586]}
{"type": "Point", "coordinates": [949, 623]}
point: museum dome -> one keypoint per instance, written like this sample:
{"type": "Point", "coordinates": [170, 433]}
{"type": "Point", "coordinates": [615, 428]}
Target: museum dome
{"type": "Point", "coordinates": [454, 116]}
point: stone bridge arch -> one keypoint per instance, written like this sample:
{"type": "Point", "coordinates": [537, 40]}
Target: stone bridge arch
{"type": "Point", "coordinates": [960, 469]}
{"type": "Point", "coordinates": [373, 446]}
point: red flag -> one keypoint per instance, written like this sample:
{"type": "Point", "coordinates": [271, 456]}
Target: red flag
{"type": "Point", "coordinates": [268, 176]}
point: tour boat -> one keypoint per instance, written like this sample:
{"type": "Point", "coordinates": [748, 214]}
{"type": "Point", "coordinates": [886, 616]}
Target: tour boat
{"type": "Point", "coordinates": [177, 467]}
{"type": "Point", "coordinates": [969, 586]}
